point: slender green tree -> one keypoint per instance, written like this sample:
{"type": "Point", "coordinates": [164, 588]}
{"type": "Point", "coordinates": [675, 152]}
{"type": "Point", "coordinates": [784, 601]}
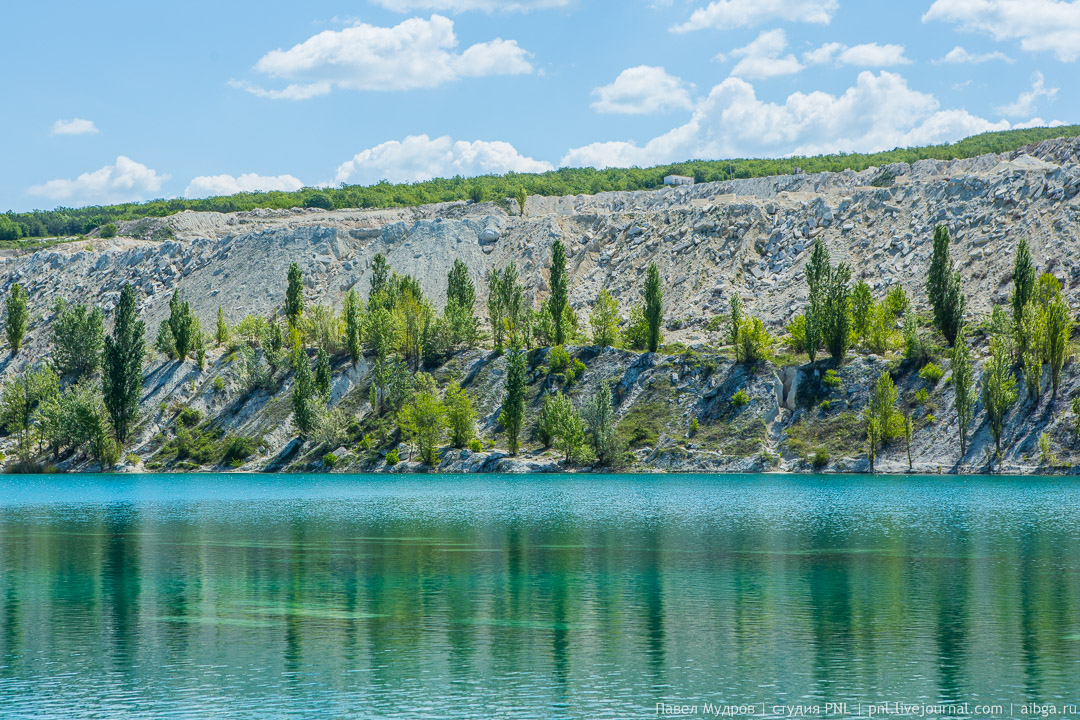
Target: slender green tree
{"type": "Point", "coordinates": [883, 412]}
{"type": "Point", "coordinates": [521, 197]}
{"type": "Point", "coordinates": [944, 288]}
{"type": "Point", "coordinates": [496, 311]}
{"type": "Point", "coordinates": [182, 326]}
{"type": "Point", "coordinates": [963, 376]}
{"type": "Point", "coordinates": [559, 295]}
{"type": "Point", "coordinates": [818, 269]}
{"type": "Point", "coordinates": [599, 417]}
{"type": "Point", "coordinates": [940, 269]}
{"type": "Point", "coordinates": [512, 414]}
{"type": "Point", "coordinates": [323, 375]}
{"type": "Point", "coordinates": [909, 431]}
{"type": "Point", "coordinates": [604, 320]}
{"type": "Point", "coordinates": [862, 302]}
{"type": "Point", "coordinates": [122, 379]}
{"type": "Point", "coordinates": [654, 313]}
{"type": "Point", "coordinates": [999, 388]}
{"type": "Point", "coordinates": [1058, 329]}
{"type": "Point", "coordinates": [1023, 277]}
{"type": "Point", "coordinates": [735, 318]}
{"type": "Point", "coordinates": [460, 290]}
{"type": "Point", "coordinates": [834, 316]}
{"type": "Point", "coordinates": [380, 282]}
{"type": "Point", "coordinates": [305, 410]}
{"type": "Point", "coordinates": [294, 295]}
{"type": "Point", "coordinates": [17, 317]}
{"type": "Point", "coordinates": [955, 305]}
{"type": "Point", "coordinates": [354, 323]}
{"type": "Point", "coordinates": [221, 331]}
{"type": "Point", "coordinates": [460, 416]}
{"type": "Point", "coordinates": [567, 429]}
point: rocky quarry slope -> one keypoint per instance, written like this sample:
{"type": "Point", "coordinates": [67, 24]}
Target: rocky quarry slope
{"type": "Point", "coordinates": [710, 241]}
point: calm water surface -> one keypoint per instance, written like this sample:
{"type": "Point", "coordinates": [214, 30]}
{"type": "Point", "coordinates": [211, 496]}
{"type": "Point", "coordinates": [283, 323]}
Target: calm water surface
{"type": "Point", "coordinates": [227, 596]}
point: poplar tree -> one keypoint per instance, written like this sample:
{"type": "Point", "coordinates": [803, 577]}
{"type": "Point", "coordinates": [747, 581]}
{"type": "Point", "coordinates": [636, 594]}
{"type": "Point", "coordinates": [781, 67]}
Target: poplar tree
{"type": "Point", "coordinates": [294, 295]}
{"type": "Point", "coordinates": [999, 388]}
{"type": "Point", "coordinates": [1023, 277]}
{"type": "Point", "coordinates": [122, 379]}
{"type": "Point", "coordinates": [944, 288]}
{"type": "Point", "coordinates": [558, 289]}
{"type": "Point", "coordinates": [353, 326]}
{"type": "Point", "coordinates": [323, 376]}
{"type": "Point", "coordinates": [304, 415]}
{"type": "Point", "coordinates": [817, 270]}
{"type": "Point", "coordinates": [221, 332]}
{"type": "Point", "coordinates": [654, 313]}
{"type": "Point", "coordinates": [512, 413]}
{"type": "Point", "coordinates": [17, 317]}
{"type": "Point", "coordinates": [963, 381]}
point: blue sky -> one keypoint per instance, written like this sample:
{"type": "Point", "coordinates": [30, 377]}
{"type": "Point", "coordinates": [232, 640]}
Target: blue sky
{"type": "Point", "coordinates": [119, 101]}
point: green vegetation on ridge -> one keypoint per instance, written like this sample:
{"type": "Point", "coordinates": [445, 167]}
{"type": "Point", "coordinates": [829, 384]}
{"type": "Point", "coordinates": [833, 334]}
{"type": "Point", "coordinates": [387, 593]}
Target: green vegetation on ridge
{"type": "Point", "coordinates": [565, 181]}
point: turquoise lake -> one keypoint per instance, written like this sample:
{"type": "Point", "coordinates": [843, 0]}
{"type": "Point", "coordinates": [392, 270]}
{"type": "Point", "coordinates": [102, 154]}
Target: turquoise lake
{"type": "Point", "coordinates": [316, 596]}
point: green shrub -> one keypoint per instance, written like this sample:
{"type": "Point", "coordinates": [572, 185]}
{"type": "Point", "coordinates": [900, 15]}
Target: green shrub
{"type": "Point", "coordinates": [826, 405]}
{"type": "Point", "coordinates": [237, 449]}
{"type": "Point", "coordinates": [330, 459]}
{"type": "Point", "coordinates": [740, 399]}
{"type": "Point", "coordinates": [820, 458]}
{"type": "Point", "coordinates": [922, 397]}
{"type": "Point", "coordinates": [931, 419]}
{"type": "Point", "coordinates": [931, 373]}
{"type": "Point", "coordinates": [189, 417]}
{"type": "Point", "coordinates": [392, 457]}
{"type": "Point", "coordinates": [108, 230]}
{"type": "Point", "coordinates": [558, 359]}
{"type": "Point", "coordinates": [219, 384]}
{"type": "Point", "coordinates": [832, 380]}
{"type": "Point", "coordinates": [693, 427]}
{"type": "Point", "coordinates": [716, 323]}
{"type": "Point", "coordinates": [475, 445]}
{"type": "Point", "coordinates": [131, 458]}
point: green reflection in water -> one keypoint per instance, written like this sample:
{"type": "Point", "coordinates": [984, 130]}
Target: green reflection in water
{"type": "Point", "coordinates": [538, 597]}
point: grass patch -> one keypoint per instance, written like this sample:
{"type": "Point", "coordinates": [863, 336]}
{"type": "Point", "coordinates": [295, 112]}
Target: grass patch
{"type": "Point", "coordinates": [838, 436]}
{"type": "Point", "coordinates": [652, 413]}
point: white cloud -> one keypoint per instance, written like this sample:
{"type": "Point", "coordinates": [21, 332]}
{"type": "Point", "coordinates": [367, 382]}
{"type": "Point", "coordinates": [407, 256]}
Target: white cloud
{"type": "Point", "coordinates": [1026, 103]}
{"type": "Point", "coordinates": [762, 59]}
{"type": "Point", "coordinates": [642, 90]}
{"type": "Point", "coordinates": [866, 55]}
{"type": "Point", "coordinates": [213, 185]}
{"type": "Point", "coordinates": [126, 181]}
{"type": "Point", "coordinates": [959, 56]}
{"type": "Point", "coordinates": [727, 14]}
{"type": "Point", "coordinates": [416, 53]}
{"type": "Point", "coordinates": [879, 113]}
{"type": "Point", "coordinates": [289, 92]}
{"type": "Point", "coordinates": [459, 6]}
{"type": "Point", "coordinates": [419, 157]}
{"type": "Point", "coordinates": [75, 126]}
{"type": "Point", "coordinates": [1039, 25]}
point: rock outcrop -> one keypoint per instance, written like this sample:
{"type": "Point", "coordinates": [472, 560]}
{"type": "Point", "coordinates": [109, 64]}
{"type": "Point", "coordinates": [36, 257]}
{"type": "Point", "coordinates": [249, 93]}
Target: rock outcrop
{"type": "Point", "coordinates": [749, 237]}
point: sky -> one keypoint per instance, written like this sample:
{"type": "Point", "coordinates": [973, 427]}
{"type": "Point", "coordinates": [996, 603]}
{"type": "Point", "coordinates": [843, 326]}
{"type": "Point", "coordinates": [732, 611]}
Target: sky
{"type": "Point", "coordinates": [127, 101]}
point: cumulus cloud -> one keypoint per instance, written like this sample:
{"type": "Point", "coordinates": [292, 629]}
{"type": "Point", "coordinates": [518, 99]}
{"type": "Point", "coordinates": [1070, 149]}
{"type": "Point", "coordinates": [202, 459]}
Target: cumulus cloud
{"type": "Point", "coordinates": [879, 112]}
{"type": "Point", "coordinates": [1028, 100]}
{"type": "Point", "coordinates": [416, 53]}
{"type": "Point", "coordinates": [214, 185]}
{"type": "Point", "coordinates": [762, 57]}
{"type": "Point", "coordinates": [960, 56]}
{"type": "Point", "coordinates": [125, 181]}
{"type": "Point", "coordinates": [459, 6]}
{"type": "Point", "coordinates": [1039, 25]}
{"type": "Point", "coordinates": [419, 157]}
{"type": "Point", "coordinates": [727, 14]}
{"type": "Point", "coordinates": [642, 90]}
{"type": "Point", "coordinates": [866, 55]}
{"type": "Point", "coordinates": [75, 126]}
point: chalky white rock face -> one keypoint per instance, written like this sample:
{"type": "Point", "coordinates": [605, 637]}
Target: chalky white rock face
{"type": "Point", "coordinates": [750, 237]}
